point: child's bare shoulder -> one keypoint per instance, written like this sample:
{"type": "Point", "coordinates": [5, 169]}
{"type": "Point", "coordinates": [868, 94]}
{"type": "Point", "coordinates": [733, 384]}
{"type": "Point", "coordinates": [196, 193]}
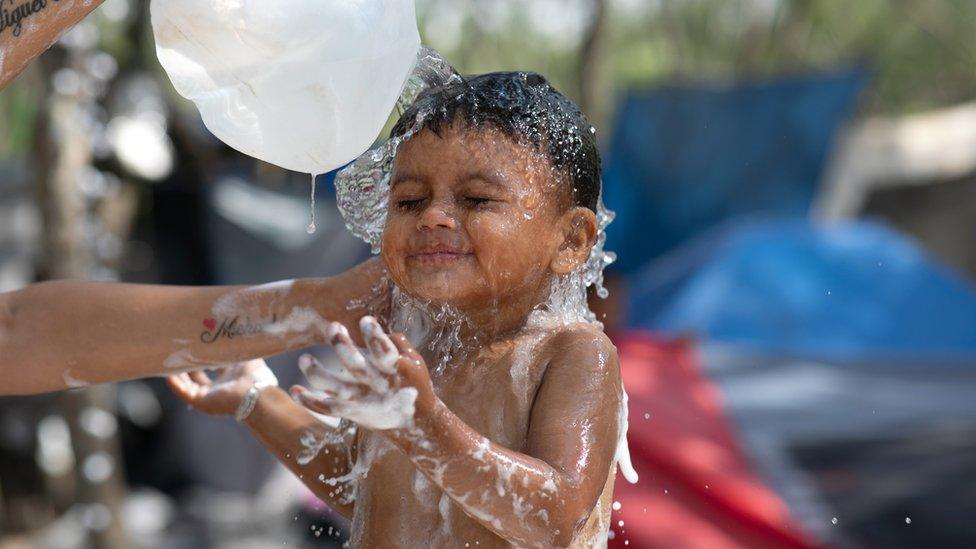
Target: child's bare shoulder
{"type": "Point", "coordinates": [583, 346]}
{"type": "Point", "coordinates": [581, 379]}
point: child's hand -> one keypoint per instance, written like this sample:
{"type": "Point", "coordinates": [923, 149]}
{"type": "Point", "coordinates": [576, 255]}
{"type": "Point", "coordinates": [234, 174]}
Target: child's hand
{"type": "Point", "coordinates": [220, 396]}
{"type": "Point", "coordinates": [379, 391]}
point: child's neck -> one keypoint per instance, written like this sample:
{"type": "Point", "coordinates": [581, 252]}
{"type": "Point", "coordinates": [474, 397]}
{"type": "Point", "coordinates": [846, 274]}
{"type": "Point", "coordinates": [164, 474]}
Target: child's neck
{"type": "Point", "coordinates": [506, 317]}
{"type": "Point", "coordinates": [445, 329]}
{"type": "Point", "coordinates": [498, 320]}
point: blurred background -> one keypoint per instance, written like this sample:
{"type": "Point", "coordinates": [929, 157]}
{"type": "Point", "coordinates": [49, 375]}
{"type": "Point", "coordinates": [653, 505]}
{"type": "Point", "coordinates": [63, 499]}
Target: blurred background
{"type": "Point", "coordinates": [793, 301]}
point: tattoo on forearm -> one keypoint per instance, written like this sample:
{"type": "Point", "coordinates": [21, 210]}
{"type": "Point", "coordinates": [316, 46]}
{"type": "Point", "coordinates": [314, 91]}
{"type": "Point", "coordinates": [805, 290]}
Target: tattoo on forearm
{"type": "Point", "coordinates": [229, 328]}
{"type": "Point", "coordinates": [12, 14]}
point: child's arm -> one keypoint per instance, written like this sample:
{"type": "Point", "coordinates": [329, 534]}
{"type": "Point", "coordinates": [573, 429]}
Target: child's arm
{"type": "Point", "coordinates": [74, 333]}
{"type": "Point", "coordinates": [537, 498]}
{"type": "Point", "coordinates": [29, 27]}
{"type": "Point", "coordinates": [309, 448]}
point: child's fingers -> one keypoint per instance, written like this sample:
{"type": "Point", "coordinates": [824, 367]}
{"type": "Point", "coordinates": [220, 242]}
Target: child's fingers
{"type": "Point", "coordinates": [404, 347]}
{"type": "Point", "coordinates": [332, 330]}
{"type": "Point", "coordinates": [330, 392]}
{"type": "Point", "coordinates": [382, 352]}
{"type": "Point", "coordinates": [335, 383]}
{"type": "Point", "coordinates": [353, 360]}
{"type": "Point", "coordinates": [356, 363]}
{"type": "Point", "coordinates": [348, 354]}
{"type": "Point", "coordinates": [411, 365]}
{"type": "Point", "coordinates": [318, 374]}
{"type": "Point", "coordinates": [336, 332]}
{"type": "Point", "coordinates": [317, 402]}
{"type": "Point", "coordinates": [364, 372]}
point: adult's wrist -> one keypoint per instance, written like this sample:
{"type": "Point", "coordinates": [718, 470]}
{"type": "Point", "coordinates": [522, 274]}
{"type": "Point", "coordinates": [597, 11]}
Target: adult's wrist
{"type": "Point", "coordinates": [247, 403]}
{"type": "Point", "coordinates": [262, 378]}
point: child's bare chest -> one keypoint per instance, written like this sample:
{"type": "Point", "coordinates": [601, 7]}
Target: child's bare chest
{"type": "Point", "coordinates": [494, 392]}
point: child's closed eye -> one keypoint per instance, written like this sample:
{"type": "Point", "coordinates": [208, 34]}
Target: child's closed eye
{"type": "Point", "coordinates": [408, 204]}
{"type": "Point", "coordinates": [479, 200]}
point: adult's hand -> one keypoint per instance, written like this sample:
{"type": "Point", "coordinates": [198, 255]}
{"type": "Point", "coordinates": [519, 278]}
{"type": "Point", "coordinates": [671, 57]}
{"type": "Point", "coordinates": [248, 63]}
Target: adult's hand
{"type": "Point", "coordinates": [29, 27]}
{"type": "Point", "coordinates": [221, 396]}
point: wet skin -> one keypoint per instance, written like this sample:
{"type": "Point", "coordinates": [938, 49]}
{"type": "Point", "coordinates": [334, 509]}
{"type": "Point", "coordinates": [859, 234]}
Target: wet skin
{"type": "Point", "coordinates": [466, 228]}
{"type": "Point", "coordinates": [547, 402]}
{"type": "Point", "coordinates": [514, 442]}
{"type": "Point", "coordinates": [481, 222]}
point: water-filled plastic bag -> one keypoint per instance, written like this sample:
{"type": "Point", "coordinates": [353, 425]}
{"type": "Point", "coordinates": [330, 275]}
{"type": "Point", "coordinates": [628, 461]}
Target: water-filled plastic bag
{"type": "Point", "coordinates": [303, 84]}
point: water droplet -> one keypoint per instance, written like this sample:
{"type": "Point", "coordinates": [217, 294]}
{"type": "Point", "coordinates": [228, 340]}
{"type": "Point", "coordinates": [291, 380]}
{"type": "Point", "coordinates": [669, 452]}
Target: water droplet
{"type": "Point", "coordinates": [311, 223]}
{"type": "Point", "coordinates": [98, 467]}
{"type": "Point", "coordinates": [616, 506]}
{"type": "Point", "coordinates": [95, 516]}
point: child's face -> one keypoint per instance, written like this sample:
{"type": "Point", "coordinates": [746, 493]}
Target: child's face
{"type": "Point", "coordinates": [473, 219]}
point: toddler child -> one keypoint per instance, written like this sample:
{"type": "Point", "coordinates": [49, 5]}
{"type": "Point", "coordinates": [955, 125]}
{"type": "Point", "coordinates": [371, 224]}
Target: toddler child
{"type": "Point", "coordinates": [497, 421]}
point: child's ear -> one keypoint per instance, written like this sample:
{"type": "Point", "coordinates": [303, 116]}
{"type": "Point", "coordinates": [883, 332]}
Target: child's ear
{"type": "Point", "coordinates": [579, 230]}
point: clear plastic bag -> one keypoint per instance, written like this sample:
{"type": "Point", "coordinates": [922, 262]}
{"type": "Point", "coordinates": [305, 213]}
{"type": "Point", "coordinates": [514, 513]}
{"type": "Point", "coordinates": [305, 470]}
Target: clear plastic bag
{"type": "Point", "coordinates": [303, 84]}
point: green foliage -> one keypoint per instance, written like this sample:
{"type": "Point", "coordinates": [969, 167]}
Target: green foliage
{"type": "Point", "coordinates": [922, 53]}
{"type": "Point", "coordinates": [18, 108]}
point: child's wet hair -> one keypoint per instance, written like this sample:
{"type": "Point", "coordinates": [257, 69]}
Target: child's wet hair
{"type": "Point", "coordinates": [524, 107]}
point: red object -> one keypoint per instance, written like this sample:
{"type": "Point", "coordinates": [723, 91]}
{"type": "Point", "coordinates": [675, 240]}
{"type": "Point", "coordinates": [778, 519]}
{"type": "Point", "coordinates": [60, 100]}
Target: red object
{"type": "Point", "coordinates": [696, 488]}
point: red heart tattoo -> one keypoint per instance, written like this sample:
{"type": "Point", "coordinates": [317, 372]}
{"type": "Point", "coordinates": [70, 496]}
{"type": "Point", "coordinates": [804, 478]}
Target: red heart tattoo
{"type": "Point", "coordinates": [210, 324]}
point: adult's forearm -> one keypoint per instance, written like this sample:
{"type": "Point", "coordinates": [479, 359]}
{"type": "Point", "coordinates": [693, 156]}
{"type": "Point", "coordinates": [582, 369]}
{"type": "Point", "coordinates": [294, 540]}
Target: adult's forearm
{"type": "Point", "coordinates": [314, 452]}
{"type": "Point", "coordinates": [28, 27]}
{"type": "Point", "coordinates": [62, 334]}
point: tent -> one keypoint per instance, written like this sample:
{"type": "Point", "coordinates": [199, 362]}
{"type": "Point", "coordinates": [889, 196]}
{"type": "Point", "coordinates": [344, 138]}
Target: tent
{"type": "Point", "coordinates": [683, 159]}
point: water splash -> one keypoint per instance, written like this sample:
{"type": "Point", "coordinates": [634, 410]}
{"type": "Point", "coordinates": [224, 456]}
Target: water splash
{"type": "Point", "coordinates": [436, 328]}
{"type": "Point", "coordinates": [599, 258]}
{"type": "Point", "coordinates": [566, 303]}
{"type": "Point", "coordinates": [311, 216]}
{"type": "Point", "coordinates": [430, 70]}
{"type": "Point", "coordinates": [363, 187]}
{"type": "Point", "coordinates": [363, 191]}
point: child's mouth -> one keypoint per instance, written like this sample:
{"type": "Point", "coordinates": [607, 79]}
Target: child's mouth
{"type": "Point", "coordinates": [438, 255]}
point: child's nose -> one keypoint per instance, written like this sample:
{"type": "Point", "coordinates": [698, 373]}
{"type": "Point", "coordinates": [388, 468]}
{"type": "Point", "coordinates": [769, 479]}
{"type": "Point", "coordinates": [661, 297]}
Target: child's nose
{"type": "Point", "coordinates": [436, 215]}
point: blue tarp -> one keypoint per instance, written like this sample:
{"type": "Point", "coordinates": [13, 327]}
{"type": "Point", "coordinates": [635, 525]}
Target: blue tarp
{"type": "Point", "coordinates": [684, 159]}
{"type": "Point", "coordinates": [854, 291]}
